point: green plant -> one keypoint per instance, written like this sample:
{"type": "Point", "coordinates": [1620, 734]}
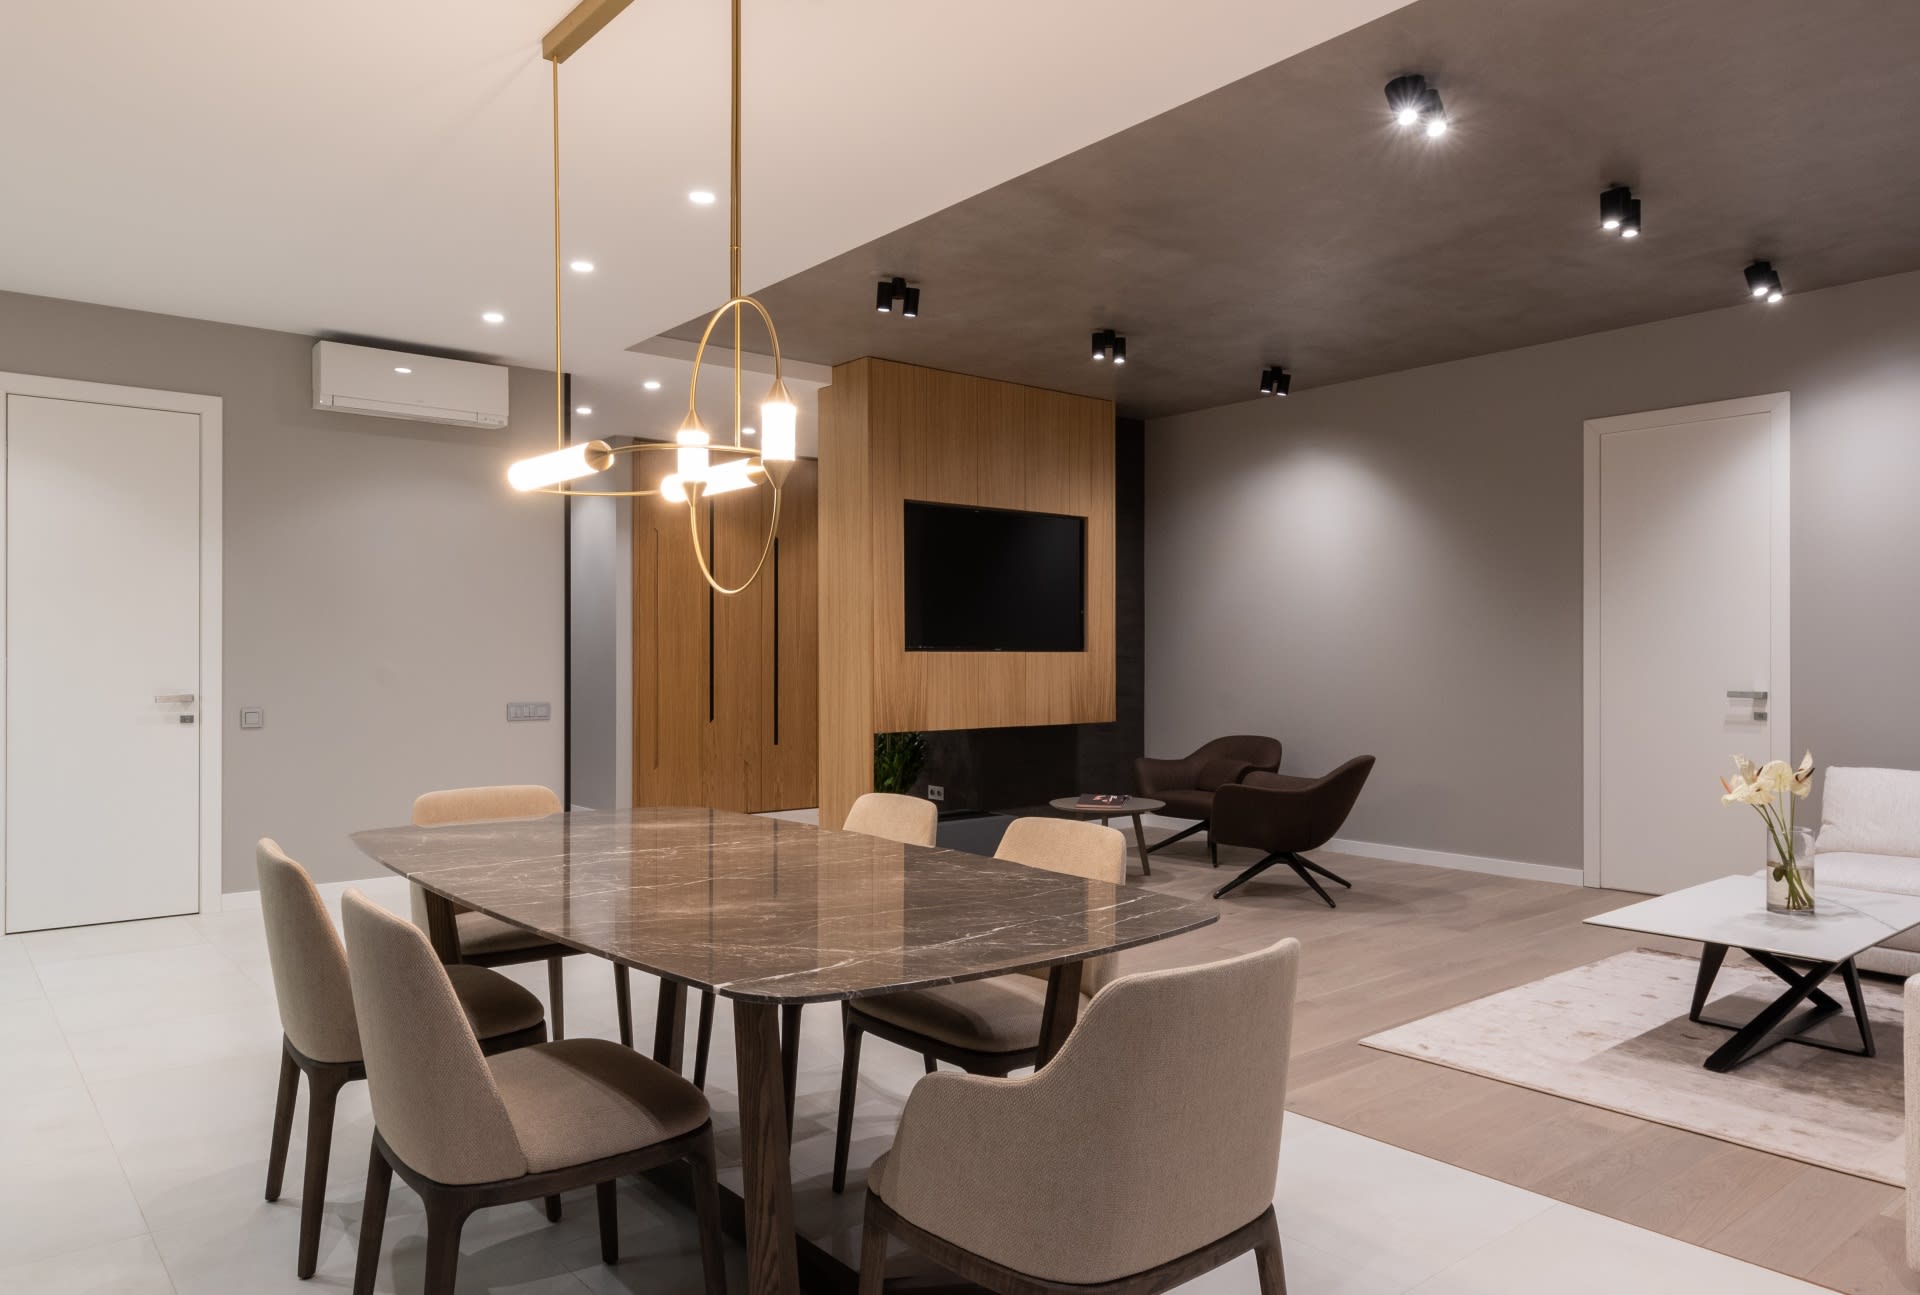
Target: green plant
{"type": "Point", "coordinates": [898, 759]}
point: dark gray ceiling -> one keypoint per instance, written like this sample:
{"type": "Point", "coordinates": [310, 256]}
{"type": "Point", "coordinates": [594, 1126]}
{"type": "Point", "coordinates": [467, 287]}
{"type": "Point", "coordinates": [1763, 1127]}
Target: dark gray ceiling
{"type": "Point", "coordinates": [1283, 219]}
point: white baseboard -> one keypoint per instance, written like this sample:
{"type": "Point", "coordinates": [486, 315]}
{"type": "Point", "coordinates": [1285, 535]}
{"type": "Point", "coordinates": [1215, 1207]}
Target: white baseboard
{"type": "Point", "coordinates": [1459, 862]}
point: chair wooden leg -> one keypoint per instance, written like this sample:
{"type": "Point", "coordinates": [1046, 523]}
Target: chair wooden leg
{"type": "Point", "coordinates": [556, 997]}
{"type": "Point", "coordinates": [1213, 846]}
{"type": "Point", "coordinates": [323, 1089]}
{"type": "Point", "coordinates": [704, 1042]}
{"type": "Point", "coordinates": [553, 1209]}
{"type": "Point", "coordinates": [849, 1082]}
{"type": "Point", "coordinates": [932, 1065]}
{"type": "Point", "coordinates": [873, 1257]}
{"type": "Point", "coordinates": [609, 1203]}
{"type": "Point", "coordinates": [283, 1105]}
{"type": "Point", "coordinates": [445, 1219]}
{"type": "Point", "coordinates": [373, 1223]}
{"type": "Point", "coordinates": [623, 1004]}
{"type": "Point", "coordinates": [1266, 1254]}
{"type": "Point", "coordinates": [706, 1204]}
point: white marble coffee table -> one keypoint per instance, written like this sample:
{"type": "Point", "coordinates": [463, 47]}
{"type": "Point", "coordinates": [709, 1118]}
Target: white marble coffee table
{"type": "Point", "coordinates": [1801, 949]}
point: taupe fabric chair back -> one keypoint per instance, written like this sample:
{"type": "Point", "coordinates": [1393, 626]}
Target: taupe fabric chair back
{"type": "Point", "coordinates": [459, 805]}
{"type": "Point", "coordinates": [906, 819]}
{"type": "Point", "coordinates": [434, 1099]}
{"type": "Point", "coordinates": [1080, 849]}
{"type": "Point", "coordinates": [483, 805]}
{"type": "Point", "coordinates": [1088, 1171]}
{"type": "Point", "coordinates": [309, 964]}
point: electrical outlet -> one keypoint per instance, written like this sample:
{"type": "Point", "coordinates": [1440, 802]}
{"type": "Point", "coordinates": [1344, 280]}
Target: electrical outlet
{"type": "Point", "coordinates": [936, 792]}
{"type": "Point", "coordinates": [522, 711]}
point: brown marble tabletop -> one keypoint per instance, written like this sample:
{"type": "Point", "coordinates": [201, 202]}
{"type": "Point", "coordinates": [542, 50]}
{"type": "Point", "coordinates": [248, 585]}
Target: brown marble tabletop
{"type": "Point", "coordinates": [773, 915]}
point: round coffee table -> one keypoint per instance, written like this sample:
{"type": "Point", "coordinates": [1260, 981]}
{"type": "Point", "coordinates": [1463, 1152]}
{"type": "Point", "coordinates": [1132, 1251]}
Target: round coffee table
{"type": "Point", "coordinates": [1132, 807]}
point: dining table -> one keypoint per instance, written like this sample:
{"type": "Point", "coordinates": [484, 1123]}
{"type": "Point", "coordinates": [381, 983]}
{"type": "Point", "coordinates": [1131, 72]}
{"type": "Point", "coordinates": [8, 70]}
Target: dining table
{"type": "Point", "coordinates": [773, 914]}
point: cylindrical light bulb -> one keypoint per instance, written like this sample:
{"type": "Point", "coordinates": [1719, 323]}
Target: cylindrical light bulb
{"type": "Point", "coordinates": [779, 424]}
{"type": "Point", "coordinates": [672, 489]}
{"type": "Point", "coordinates": [734, 474]}
{"type": "Point", "coordinates": [569, 464]}
{"type": "Point", "coordinates": [691, 459]}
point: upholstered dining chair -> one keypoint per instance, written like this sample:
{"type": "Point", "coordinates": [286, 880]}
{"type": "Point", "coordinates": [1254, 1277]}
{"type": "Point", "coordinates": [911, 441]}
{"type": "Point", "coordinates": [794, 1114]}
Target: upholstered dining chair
{"type": "Point", "coordinates": [1188, 785]}
{"type": "Point", "coordinates": [906, 819]}
{"type": "Point", "coordinates": [487, 941]}
{"type": "Point", "coordinates": [1087, 1177]}
{"type": "Point", "coordinates": [321, 1038]}
{"type": "Point", "coordinates": [466, 1131]}
{"type": "Point", "coordinates": [1284, 816]}
{"type": "Point", "coordinates": [986, 1027]}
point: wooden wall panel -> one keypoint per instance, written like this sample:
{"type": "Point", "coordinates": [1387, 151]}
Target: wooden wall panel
{"type": "Point", "coordinates": [892, 432]}
{"type": "Point", "coordinates": [704, 686]}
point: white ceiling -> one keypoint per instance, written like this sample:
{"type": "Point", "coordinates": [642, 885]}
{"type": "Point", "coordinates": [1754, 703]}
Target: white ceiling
{"type": "Point", "coordinates": [379, 168]}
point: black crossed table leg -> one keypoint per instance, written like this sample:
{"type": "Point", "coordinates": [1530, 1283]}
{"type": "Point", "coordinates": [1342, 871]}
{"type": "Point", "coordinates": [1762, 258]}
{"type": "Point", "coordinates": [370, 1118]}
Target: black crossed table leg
{"type": "Point", "coordinates": [1764, 1032]}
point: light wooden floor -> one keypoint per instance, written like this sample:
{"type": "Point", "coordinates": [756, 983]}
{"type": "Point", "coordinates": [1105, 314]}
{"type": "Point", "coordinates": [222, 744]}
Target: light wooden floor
{"type": "Point", "coordinates": [1408, 941]}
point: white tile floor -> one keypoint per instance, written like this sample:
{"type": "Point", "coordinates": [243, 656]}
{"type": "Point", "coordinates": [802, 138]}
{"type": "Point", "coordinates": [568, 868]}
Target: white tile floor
{"type": "Point", "coordinates": [137, 1067]}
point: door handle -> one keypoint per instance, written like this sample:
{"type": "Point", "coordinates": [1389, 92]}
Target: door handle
{"type": "Point", "coordinates": [174, 698]}
{"type": "Point", "coordinates": [1759, 700]}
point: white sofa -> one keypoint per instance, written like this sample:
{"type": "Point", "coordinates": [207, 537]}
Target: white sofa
{"type": "Point", "coordinates": [1870, 840]}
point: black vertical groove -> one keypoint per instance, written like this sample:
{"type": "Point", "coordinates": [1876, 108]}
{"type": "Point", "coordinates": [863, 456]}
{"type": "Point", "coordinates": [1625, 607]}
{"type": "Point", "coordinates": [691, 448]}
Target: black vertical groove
{"type": "Point", "coordinates": [566, 613]}
{"type": "Point", "coordinates": [776, 641]}
{"type": "Point", "coordinates": [713, 565]}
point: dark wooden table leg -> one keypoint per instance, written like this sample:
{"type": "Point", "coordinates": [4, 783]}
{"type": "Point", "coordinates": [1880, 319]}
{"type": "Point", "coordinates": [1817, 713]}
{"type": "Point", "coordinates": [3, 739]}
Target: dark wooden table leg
{"type": "Point", "coordinates": [623, 1003]}
{"type": "Point", "coordinates": [1753, 1038]}
{"type": "Point", "coordinates": [1711, 956]}
{"type": "Point", "coordinates": [670, 1025]}
{"type": "Point", "coordinates": [443, 933]}
{"type": "Point", "coordinates": [790, 1057]}
{"type": "Point", "coordinates": [772, 1261]}
{"type": "Point", "coordinates": [1140, 839]}
{"type": "Point", "coordinates": [1061, 1011]}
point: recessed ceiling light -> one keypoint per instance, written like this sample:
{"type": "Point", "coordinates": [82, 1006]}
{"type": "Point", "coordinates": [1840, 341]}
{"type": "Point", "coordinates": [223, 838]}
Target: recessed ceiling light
{"type": "Point", "coordinates": [581, 267]}
{"type": "Point", "coordinates": [701, 197]}
{"type": "Point", "coordinates": [651, 384]}
{"type": "Point", "coordinates": [401, 368]}
{"type": "Point", "coordinates": [493, 317]}
{"type": "Point", "coordinates": [749, 431]}
{"type": "Point", "coordinates": [583, 409]}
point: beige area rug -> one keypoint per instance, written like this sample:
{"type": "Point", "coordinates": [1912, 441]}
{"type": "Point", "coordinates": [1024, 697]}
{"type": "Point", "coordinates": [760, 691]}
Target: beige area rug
{"type": "Point", "coordinates": [1615, 1034]}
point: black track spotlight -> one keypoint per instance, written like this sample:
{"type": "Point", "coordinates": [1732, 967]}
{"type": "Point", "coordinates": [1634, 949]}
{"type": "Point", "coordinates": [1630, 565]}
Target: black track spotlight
{"type": "Point", "coordinates": [1630, 223]}
{"type": "Point", "coordinates": [1275, 381]}
{"type": "Point", "coordinates": [896, 290]}
{"type": "Point", "coordinates": [1406, 98]}
{"type": "Point", "coordinates": [1433, 114]}
{"type": "Point", "coordinates": [1764, 281]}
{"type": "Point", "coordinates": [1109, 345]}
{"type": "Point", "coordinates": [1613, 207]}
{"type": "Point", "coordinates": [1119, 350]}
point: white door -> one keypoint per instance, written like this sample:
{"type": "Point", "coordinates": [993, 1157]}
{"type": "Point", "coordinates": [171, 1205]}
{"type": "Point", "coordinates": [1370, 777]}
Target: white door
{"type": "Point", "coordinates": [102, 666]}
{"type": "Point", "coordinates": [1687, 636]}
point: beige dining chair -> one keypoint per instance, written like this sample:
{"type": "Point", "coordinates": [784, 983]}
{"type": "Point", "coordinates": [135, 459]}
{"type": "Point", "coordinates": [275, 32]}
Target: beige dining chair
{"type": "Point", "coordinates": [986, 1027]}
{"type": "Point", "coordinates": [906, 819]}
{"type": "Point", "coordinates": [320, 1036]}
{"type": "Point", "coordinates": [466, 1131]}
{"type": "Point", "coordinates": [1100, 1174]}
{"type": "Point", "coordinates": [487, 941]}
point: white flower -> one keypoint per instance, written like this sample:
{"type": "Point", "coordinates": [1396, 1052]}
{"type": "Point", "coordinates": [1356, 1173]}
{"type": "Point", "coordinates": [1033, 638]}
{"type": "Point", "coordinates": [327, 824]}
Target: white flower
{"type": "Point", "coordinates": [1744, 767]}
{"type": "Point", "coordinates": [1775, 776]}
{"type": "Point", "coordinates": [1742, 792]}
{"type": "Point", "coordinates": [1803, 777]}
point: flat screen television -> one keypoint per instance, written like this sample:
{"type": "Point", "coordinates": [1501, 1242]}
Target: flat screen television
{"type": "Point", "coordinates": [994, 580]}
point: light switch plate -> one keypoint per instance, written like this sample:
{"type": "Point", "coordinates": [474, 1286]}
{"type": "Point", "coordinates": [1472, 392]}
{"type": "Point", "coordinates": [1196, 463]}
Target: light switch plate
{"type": "Point", "coordinates": [936, 792]}
{"type": "Point", "coordinates": [253, 717]}
{"type": "Point", "coordinates": [519, 711]}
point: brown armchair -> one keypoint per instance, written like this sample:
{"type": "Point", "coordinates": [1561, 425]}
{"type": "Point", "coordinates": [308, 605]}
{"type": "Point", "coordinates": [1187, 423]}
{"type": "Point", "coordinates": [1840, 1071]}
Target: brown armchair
{"type": "Point", "coordinates": [1284, 816]}
{"type": "Point", "coordinates": [1188, 785]}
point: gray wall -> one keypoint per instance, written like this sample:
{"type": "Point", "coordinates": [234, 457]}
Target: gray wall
{"type": "Point", "coordinates": [1394, 565]}
{"type": "Point", "coordinates": [385, 595]}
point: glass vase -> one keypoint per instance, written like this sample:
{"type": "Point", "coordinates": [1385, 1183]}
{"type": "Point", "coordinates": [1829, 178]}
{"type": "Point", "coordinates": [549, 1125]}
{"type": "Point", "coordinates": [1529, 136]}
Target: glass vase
{"type": "Point", "coordinates": [1790, 880]}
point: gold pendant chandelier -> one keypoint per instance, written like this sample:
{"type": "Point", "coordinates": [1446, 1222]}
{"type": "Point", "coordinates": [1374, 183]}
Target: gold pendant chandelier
{"type": "Point", "coordinates": [696, 475]}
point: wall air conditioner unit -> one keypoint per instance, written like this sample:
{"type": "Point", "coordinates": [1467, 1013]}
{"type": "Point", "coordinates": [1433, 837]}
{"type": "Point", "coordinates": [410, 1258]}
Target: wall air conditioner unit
{"type": "Point", "coordinates": [393, 384]}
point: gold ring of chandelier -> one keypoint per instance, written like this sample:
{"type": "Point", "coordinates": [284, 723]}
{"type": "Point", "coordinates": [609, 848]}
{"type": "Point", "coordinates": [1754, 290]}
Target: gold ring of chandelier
{"type": "Point", "coordinates": [695, 474]}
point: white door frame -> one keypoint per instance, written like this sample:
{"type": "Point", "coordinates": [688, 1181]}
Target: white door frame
{"type": "Point", "coordinates": [1780, 682]}
{"type": "Point", "coordinates": [211, 708]}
